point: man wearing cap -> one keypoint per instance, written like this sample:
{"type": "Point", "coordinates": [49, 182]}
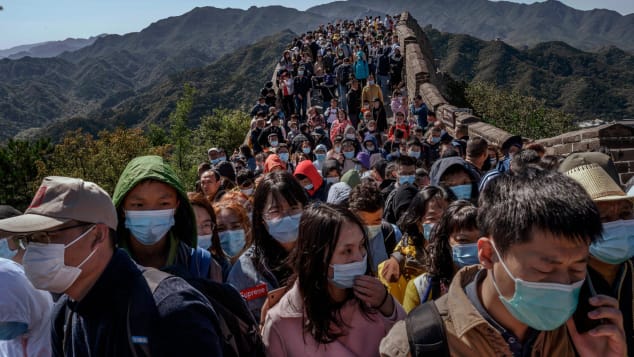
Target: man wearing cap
{"type": "Point", "coordinates": [610, 267]}
{"type": "Point", "coordinates": [70, 228]}
{"type": "Point", "coordinates": [260, 106]}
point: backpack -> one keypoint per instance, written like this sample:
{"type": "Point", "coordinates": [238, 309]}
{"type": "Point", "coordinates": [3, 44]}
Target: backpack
{"type": "Point", "coordinates": [237, 329]}
{"type": "Point", "coordinates": [344, 74]}
{"type": "Point", "coordinates": [426, 331]}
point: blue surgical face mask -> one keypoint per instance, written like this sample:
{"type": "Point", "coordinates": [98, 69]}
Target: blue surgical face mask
{"type": "Point", "coordinates": [542, 306]}
{"type": "Point", "coordinates": [309, 187]}
{"type": "Point", "coordinates": [320, 157]}
{"type": "Point", "coordinates": [204, 241]}
{"type": "Point", "coordinates": [406, 179]}
{"type": "Point", "coordinates": [435, 139]}
{"type": "Point", "coordinates": [370, 147]}
{"type": "Point", "coordinates": [5, 252]}
{"type": "Point", "coordinates": [148, 227]}
{"type": "Point", "coordinates": [232, 242]}
{"type": "Point", "coordinates": [348, 154]}
{"type": "Point", "coordinates": [617, 244]}
{"type": "Point", "coordinates": [306, 150]}
{"type": "Point", "coordinates": [465, 254]}
{"type": "Point", "coordinates": [373, 230]}
{"type": "Point", "coordinates": [462, 192]}
{"type": "Point", "coordinates": [222, 158]}
{"type": "Point", "coordinates": [214, 162]}
{"type": "Point", "coordinates": [414, 154]}
{"type": "Point", "coordinates": [275, 143]}
{"type": "Point", "coordinates": [332, 180]}
{"type": "Point", "coordinates": [427, 227]}
{"type": "Point", "coordinates": [283, 156]}
{"type": "Point", "coordinates": [285, 229]}
{"type": "Point", "coordinates": [396, 153]}
{"type": "Point", "coordinates": [344, 274]}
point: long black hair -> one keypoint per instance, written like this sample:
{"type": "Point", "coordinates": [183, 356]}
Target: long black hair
{"type": "Point", "coordinates": [318, 236]}
{"type": "Point", "coordinates": [269, 254]}
{"type": "Point", "coordinates": [409, 223]}
{"type": "Point", "coordinates": [460, 214]}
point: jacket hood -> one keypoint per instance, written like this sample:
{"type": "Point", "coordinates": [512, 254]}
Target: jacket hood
{"type": "Point", "coordinates": [155, 168]}
{"type": "Point", "coordinates": [352, 178]}
{"type": "Point", "coordinates": [442, 165]}
{"type": "Point", "coordinates": [309, 170]}
{"type": "Point", "coordinates": [272, 161]}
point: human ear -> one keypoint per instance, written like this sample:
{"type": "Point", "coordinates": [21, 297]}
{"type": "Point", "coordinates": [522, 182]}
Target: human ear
{"type": "Point", "coordinates": [486, 254]}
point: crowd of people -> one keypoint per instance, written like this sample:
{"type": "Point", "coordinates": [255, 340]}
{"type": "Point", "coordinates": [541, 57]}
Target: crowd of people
{"type": "Point", "coordinates": [341, 227]}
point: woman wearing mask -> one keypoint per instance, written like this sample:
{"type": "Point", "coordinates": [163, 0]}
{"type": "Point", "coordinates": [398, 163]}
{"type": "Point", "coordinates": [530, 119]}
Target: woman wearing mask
{"type": "Point", "coordinates": [234, 228]}
{"type": "Point", "coordinates": [335, 307]}
{"type": "Point", "coordinates": [279, 201]}
{"type": "Point", "coordinates": [157, 224]}
{"type": "Point", "coordinates": [349, 149]}
{"type": "Point", "coordinates": [207, 232]}
{"type": "Point", "coordinates": [410, 255]}
{"type": "Point", "coordinates": [338, 126]}
{"type": "Point", "coordinates": [453, 245]}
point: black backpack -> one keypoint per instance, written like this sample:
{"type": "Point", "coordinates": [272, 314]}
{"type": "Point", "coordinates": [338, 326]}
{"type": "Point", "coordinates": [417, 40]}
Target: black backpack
{"type": "Point", "coordinates": [426, 331]}
{"type": "Point", "coordinates": [237, 330]}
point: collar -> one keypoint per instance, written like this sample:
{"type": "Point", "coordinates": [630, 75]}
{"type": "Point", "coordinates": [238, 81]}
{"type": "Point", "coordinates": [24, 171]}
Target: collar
{"type": "Point", "coordinates": [463, 313]}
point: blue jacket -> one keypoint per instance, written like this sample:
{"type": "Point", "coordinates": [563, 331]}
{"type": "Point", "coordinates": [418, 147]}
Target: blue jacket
{"type": "Point", "coordinates": [361, 69]}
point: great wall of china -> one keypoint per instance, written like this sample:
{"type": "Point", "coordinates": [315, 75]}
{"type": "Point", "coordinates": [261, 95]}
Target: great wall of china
{"type": "Point", "coordinates": [420, 74]}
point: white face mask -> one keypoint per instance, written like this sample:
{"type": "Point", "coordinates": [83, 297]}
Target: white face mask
{"type": "Point", "coordinates": [204, 241]}
{"type": "Point", "coordinates": [344, 274]}
{"type": "Point", "coordinates": [45, 268]}
{"type": "Point", "coordinates": [248, 191]}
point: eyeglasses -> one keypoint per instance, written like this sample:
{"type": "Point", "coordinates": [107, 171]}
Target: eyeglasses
{"type": "Point", "coordinates": [45, 236]}
{"type": "Point", "coordinates": [279, 214]}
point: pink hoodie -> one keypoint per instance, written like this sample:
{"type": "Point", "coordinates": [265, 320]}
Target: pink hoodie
{"type": "Point", "coordinates": [283, 334]}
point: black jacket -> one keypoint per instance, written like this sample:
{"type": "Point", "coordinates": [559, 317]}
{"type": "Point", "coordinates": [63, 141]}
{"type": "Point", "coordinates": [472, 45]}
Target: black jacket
{"type": "Point", "coordinates": [183, 326]}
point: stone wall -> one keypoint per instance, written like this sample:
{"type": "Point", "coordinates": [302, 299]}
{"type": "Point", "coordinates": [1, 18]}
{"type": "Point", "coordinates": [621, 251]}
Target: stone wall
{"type": "Point", "coordinates": [420, 74]}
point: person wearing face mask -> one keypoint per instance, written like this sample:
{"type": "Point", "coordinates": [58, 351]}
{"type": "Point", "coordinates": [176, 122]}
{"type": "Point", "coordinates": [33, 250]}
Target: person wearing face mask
{"type": "Point", "coordinates": [452, 246]}
{"type": "Point", "coordinates": [418, 212]}
{"type": "Point", "coordinates": [457, 176]}
{"type": "Point", "coordinates": [396, 66]}
{"type": "Point", "coordinates": [73, 252]}
{"type": "Point", "coordinates": [320, 156]}
{"type": "Point", "coordinates": [405, 174]}
{"type": "Point", "coordinates": [379, 115]}
{"type": "Point", "coordinates": [335, 307]}
{"type": "Point", "coordinates": [331, 171]}
{"type": "Point", "coordinates": [349, 150]}
{"type": "Point", "coordinates": [414, 149]}
{"type": "Point", "coordinates": [234, 228]}
{"type": "Point", "coordinates": [353, 98]}
{"type": "Point", "coordinates": [361, 68]}
{"type": "Point", "coordinates": [308, 176]}
{"type": "Point", "coordinates": [24, 311]}
{"type": "Point", "coordinates": [396, 103]}
{"type": "Point", "coordinates": [278, 203]}
{"type": "Point", "coordinates": [371, 91]}
{"type": "Point", "coordinates": [339, 126]}
{"type": "Point", "coordinates": [301, 85]}
{"type": "Point", "coordinates": [366, 202]}
{"type": "Point", "coordinates": [207, 233]}
{"type": "Point", "coordinates": [419, 109]}
{"type": "Point", "coordinates": [610, 267]}
{"type": "Point", "coordinates": [536, 228]}
{"type": "Point", "coordinates": [157, 225]}
{"type": "Point", "coordinates": [246, 182]}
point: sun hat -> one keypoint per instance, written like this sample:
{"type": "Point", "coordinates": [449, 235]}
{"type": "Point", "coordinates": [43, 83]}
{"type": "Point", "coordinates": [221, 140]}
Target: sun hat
{"type": "Point", "coordinates": [599, 185]}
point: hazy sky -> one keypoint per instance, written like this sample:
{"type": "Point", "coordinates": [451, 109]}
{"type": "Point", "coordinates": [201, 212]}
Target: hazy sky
{"type": "Point", "coordinates": [32, 21]}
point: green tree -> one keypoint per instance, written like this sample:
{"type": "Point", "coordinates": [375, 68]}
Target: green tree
{"type": "Point", "coordinates": [19, 170]}
{"type": "Point", "coordinates": [98, 160]}
{"type": "Point", "coordinates": [181, 136]}
{"type": "Point", "coordinates": [518, 114]}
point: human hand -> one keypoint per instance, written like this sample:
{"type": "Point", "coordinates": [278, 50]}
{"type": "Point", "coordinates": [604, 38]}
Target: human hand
{"type": "Point", "coordinates": [371, 291]}
{"type": "Point", "coordinates": [605, 340]}
{"type": "Point", "coordinates": [391, 270]}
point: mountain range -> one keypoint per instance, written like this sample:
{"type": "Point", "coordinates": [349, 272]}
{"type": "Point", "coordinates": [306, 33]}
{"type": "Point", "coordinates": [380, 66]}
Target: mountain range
{"type": "Point", "coordinates": [587, 84]}
{"type": "Point", "coordinates": [48, 49]}
{"type": "Point", "coordinates": [135, 79]}
{"type": "Point", "coordinates": [516, 24]}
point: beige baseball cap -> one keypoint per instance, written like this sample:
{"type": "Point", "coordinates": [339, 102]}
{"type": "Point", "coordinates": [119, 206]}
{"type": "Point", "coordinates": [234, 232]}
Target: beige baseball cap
{"type": "Point", "coordinates": [598, 183]}
{"type": "Point", "coordinates": [61, 199]}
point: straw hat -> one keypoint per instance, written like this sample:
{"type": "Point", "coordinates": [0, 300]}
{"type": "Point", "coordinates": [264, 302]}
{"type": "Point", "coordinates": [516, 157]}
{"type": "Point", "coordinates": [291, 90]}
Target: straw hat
{"type": "Point", "coordinates": [596, 181]}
